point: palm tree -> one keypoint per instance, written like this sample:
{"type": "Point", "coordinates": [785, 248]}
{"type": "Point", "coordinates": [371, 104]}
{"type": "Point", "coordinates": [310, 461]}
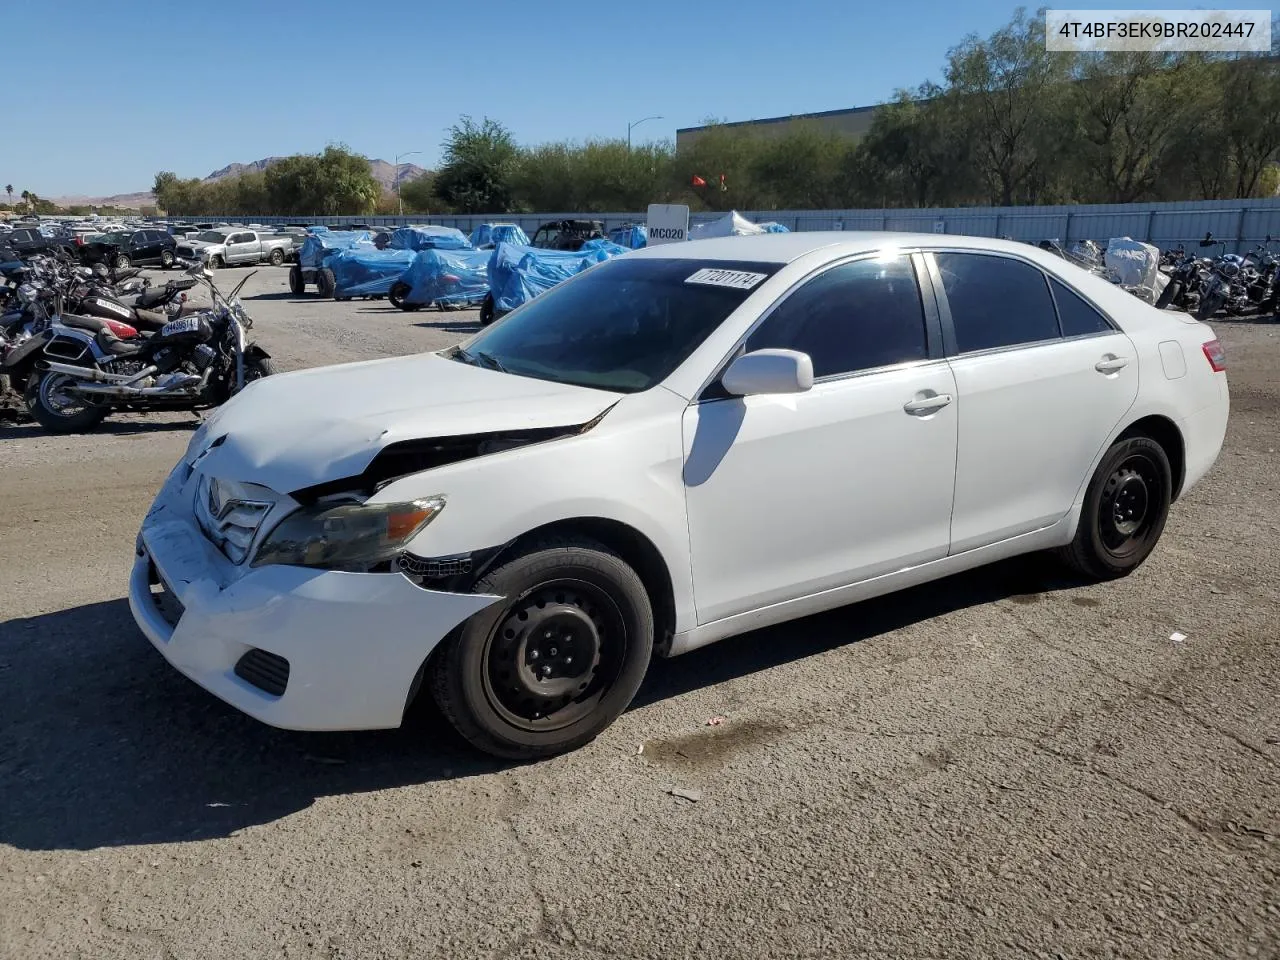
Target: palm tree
{"type": "Point", "coordinates": [9, 190]}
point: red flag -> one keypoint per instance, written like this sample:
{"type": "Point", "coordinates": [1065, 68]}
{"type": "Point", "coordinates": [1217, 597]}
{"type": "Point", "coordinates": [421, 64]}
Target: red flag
{"type": "Point", "coordinates": [722, 183]}
{"type": "Point", "coordinates": [698, 181]}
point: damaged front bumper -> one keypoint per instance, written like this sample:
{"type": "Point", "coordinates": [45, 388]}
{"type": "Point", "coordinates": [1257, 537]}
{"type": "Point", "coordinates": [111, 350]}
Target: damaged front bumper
{"type": "Point", "coordinates": [294, 647]}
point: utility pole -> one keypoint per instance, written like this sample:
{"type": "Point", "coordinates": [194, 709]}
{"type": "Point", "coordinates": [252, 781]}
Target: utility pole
{"type": "Point", "coordinates": [636, 124]}
{"type": "Point", "coordinates": [396, 174]}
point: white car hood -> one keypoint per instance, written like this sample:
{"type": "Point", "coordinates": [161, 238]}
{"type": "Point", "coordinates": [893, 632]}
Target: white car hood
{"type": "Point", "coordinates": [294, 430]}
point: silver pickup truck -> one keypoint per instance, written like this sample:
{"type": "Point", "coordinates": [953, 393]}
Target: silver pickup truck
{"type": "Point", "coordinates": [233, 247]}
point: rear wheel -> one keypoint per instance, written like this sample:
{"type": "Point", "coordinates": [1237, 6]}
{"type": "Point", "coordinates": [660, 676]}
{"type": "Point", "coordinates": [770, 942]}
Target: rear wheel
{"type": "Point", "coordinates": [326, 284]}
{"type": "Point", "coordinates": [486, 311]}
{"type": "Point", "coordinates": [276, 258]}
{"type": "Point", "coordinates": [58, 410]}
{"type": "Point", "coordinates": [548, 668]}
{"type": "Point", "coordinates": [399, 290]}
{"type": "Point", "coordinates": [297, 286]}
{"type": "Point", "coordinates": [1209, 306]}
{"type": "Point", "coordinates": [1124, 512]}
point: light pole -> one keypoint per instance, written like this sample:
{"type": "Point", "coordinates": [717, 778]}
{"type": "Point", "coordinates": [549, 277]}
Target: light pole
{"type": "Point", "coordinates": [636, 124]}
{"type": "Point", "coordinates": [396, 174]}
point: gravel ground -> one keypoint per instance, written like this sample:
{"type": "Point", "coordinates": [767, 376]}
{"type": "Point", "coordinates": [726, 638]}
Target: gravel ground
{"type": "Point", "coordinates": [1000, 764]}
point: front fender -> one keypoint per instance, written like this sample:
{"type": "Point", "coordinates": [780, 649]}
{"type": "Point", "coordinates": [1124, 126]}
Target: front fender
{"type": "Point", "coordinates": [255, 352]}
{"type": "Point", "coordinates": [20, 359]}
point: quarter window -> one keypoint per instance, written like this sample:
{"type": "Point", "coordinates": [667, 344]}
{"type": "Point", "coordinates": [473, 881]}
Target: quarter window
{"type": "Point", "coordinates": [856, 316]}
{"type": "Point", "coordinates": [996, 301]}
{"type": "Point", "coordinates": [1076, 317]}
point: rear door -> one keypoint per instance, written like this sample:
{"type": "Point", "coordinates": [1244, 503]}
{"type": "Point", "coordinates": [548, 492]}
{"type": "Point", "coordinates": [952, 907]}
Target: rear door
{"type": "Point", "coordinates": [142, 247]}
{"type": "Point", "coordinates": [1042, 379]}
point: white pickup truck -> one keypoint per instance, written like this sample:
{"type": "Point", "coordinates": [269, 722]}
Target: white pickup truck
{"type": "Point", "coordinates": [226, 247]}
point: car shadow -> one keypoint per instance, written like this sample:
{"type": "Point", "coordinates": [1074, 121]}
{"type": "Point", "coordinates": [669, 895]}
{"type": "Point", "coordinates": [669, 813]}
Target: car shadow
{"type": "Point", "coordinates": [125, 428]}
{"type": "Point", "coordinates": [105, 744]}
{"type": "Point", "coordinates": [450, 326]}
{"type": "Point", "coordinates": [286, 295]}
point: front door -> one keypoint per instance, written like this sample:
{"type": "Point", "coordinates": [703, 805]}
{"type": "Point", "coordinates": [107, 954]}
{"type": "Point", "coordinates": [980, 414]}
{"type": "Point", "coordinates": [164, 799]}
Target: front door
{"type": "Point", "coordinates": [792, 495]}
{"type": "Point", "coordinates": [1043, 379]}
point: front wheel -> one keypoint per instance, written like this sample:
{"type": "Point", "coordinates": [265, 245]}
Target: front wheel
{"type": "Point", "coordinates": [122, 262]}
{"type": "Point", "coordinates": [399, 290]}
{"type": "Point", "coordinates": [1209, 306]}
{"type": "Point", "coordinates": [58, 410]}
{"type": "Point", "coordinates": [1124, 512]}
{"type": "Point", "coordinates": [548, 668]}
{"type": "Point", "coordinates": [486, 311]}
{"type": "Point", "coordinates": [297, 286]}
{"type": "Point", "coordinates": [276, 258]}
{"type": "Point", "coordinates": [216, 262]}
{"type": "Point", "coordinates": [1169, 295]}
{"type": "Point", "coordinates": [257, 368]}
{"type": "Point", "coordinates": [326, 283]}
{"type": "Point", "coordinates": [166, 259]}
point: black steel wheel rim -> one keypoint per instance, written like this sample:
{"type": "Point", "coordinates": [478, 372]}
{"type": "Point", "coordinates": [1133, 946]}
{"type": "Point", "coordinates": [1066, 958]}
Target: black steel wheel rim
{"type": "Point", "coordinates": [554, 654]}
{"type": "Point", "coordinates": [1130, 505]}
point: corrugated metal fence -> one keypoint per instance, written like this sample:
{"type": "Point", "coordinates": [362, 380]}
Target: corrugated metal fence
{"type": "Point", "coordinates": [1241, 223]}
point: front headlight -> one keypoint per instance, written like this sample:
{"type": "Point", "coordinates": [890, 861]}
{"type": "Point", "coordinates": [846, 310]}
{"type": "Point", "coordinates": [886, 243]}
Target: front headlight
{"type": "Point", "coordinates": [349, 536]}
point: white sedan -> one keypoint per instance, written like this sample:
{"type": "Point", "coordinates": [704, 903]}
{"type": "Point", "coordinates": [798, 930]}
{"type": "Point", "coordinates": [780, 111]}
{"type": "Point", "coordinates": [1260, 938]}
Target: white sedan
{"type": "Point", "coordinates": [682, 444]}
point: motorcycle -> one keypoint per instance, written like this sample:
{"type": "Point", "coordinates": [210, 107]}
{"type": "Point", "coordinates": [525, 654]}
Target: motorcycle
{"type": "Point", "coordinates": [76, 370]}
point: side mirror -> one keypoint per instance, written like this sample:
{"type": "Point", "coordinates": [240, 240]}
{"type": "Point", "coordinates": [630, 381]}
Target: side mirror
{"type": "Point", "coordinates": [769, 371]}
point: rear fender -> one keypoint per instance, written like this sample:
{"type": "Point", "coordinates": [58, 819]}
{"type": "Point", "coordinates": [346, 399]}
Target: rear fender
{"type": "Point", "coordinates": [19, 360]}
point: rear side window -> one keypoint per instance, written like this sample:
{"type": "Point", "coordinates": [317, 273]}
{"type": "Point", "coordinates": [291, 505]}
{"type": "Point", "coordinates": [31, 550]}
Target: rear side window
{"type": "Point", "coordinates": [1075, 315]}
{"type": "Point", "coordinates": [996, 301]}
{"type": "Point", "coordinates": [856, 316]}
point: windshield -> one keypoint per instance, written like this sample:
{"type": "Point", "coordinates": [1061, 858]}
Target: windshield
{"type": "Point", "coordinates": [115, 237]}
{"type": "Point", "coordinates": [623, 325]}
{"type": "Point", "coordinates": [212, 236]}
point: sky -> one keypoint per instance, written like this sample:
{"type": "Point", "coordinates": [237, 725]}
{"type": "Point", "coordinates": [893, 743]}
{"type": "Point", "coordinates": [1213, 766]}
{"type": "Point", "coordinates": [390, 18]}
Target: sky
{"type": "Point", "coordinates": [141, 86]}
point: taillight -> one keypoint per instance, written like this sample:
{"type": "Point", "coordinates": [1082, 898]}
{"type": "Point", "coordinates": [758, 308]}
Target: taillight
{"type": "Point", "coordinates": [1216, 356]}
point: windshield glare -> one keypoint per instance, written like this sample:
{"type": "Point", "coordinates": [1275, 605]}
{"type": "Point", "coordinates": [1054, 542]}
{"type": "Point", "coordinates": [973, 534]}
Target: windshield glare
{"type": "Point", "coordinates": [212, 236]}
{"type": "Point", "coordinates": [623, 325]}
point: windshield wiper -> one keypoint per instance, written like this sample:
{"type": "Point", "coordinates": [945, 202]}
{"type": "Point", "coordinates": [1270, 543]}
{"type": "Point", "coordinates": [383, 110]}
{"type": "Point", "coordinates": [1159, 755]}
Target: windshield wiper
{"type": "Point", "coordinates": [492, 361]}
{"type": "Point", "coordinates": [480, 359]}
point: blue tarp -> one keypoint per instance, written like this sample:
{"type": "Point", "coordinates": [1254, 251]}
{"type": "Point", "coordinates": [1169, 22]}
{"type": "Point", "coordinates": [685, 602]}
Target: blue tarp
{"type": "Point", "coordinates": [448, 276]}
{"type": "Point", "coordinates": [318, 228]}
{"type": "Point", "coordinates": [318, 246]}
{"type": "Point", "coordinates": [634, 236]}
{"type": "Point", "coordinates": [429, 238]}
{"type": "Point", "coordinates": [366, 271]}
{"type": "Point", "coordinates": [773, 227]}
{"type": "Point", "coordinates": [492, 234]}
{"type": "Point", "coordinates": [517, 274]}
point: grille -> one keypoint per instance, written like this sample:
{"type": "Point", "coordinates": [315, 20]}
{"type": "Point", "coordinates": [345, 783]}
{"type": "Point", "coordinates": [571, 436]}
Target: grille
{"type": "Point", "coordinates": [226, 518]}
{"type": "Point", "coordinates": [268, 672]}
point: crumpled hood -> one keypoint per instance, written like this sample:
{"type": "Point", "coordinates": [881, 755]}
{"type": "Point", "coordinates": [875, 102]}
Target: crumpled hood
{"type": "Point", "coordinates": [294, 430]}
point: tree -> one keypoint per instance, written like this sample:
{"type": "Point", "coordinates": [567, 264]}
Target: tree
{"type": "Point", "coordinates": [1006, 90]}
{"type": "Point", "coordinates": [479, 160]}
{"type": "Point", "coordinates": [419, 196]}
{"type": "Point", "coordinates": [725, 151]}
{"type": "Point", "coordinates": [802, 169]}
{"type": "Point", "coordinates": [332, 183]}
{"type": "Point", "coordinates": [9, 190]}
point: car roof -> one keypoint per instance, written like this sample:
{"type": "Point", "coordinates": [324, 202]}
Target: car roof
{"type": "Point", "coordinates": [786, 247]}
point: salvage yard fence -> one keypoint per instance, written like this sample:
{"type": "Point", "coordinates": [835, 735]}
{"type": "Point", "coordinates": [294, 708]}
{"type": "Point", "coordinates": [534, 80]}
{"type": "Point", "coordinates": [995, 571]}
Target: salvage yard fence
{"type": "Point", "coordinates": [1240, 223]}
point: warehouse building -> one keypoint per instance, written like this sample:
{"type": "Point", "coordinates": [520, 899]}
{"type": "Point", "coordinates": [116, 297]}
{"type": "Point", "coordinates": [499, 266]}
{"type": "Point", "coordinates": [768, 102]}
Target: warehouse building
{"type": "Point", "coordinates": [852, 122]}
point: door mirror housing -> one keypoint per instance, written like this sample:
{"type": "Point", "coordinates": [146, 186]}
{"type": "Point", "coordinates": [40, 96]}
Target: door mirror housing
{"type": "Point", "coordinates": [769, 371]}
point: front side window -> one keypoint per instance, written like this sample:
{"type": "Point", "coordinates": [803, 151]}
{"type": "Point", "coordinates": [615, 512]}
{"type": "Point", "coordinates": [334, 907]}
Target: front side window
{"type": "Point", "coordinates": [856, 316]}
{"type": "Point", "coordinates": [622, 325]}
{"type": "Point", "coordinates": [996, 301]}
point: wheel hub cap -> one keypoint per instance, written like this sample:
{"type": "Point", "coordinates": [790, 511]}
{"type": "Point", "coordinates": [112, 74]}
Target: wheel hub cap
{"type": "Point", "coordinates": [1129, 506]}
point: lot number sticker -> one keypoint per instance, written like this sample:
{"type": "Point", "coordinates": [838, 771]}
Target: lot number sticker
{"type": "Point", "coordinates": [734, 279]}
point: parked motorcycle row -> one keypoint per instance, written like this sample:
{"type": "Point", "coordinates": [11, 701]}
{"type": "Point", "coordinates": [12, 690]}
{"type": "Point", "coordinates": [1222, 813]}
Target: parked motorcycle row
{"type": "Point", "coordinates": [78, 343]}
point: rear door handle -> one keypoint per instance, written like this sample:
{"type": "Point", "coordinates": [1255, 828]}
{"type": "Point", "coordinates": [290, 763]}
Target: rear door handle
{"type": "Point", "coordinates": [1111, 364]}
{"type": "Point", "coordinates": [927, 404]}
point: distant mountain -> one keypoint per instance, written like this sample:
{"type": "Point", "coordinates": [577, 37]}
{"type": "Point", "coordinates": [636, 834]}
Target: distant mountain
{"type": "Point", "coordinates": [385, 173]}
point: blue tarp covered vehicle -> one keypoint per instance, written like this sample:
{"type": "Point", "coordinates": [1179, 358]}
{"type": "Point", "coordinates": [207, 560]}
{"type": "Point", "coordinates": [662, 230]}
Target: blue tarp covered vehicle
{"type": "Point", "coordinates": [492, 234]}
{"type": "Point", "coordinates": [447, 278]}
{"type": "Point", "coordinates": [429, 238]}
{"type": "Point", "coordinates": [633, 236]}
{"type": "Point", "coordinates": [365, 271]}
{"type": "Point", "coordinates": [313, 253]}
{"type": "Point", "coordinates": [517, 274]}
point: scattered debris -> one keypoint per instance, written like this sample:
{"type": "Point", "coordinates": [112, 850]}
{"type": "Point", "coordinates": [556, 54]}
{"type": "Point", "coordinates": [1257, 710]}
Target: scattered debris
{"type": "Point", "coordinates": [715, 721]}
{"type": "Point", "coordinates": [1215, 591]}
{"type": "Point", "coordinates": [217, 804]}
{"type": "Point", "coordinates": [639, 749]}
{"type": "Point", "coordinates": [1177, 637]}
{"type": "Point", "coordinates": [329, 760]}
{"type": "Point", "coordinates": [693, 796]}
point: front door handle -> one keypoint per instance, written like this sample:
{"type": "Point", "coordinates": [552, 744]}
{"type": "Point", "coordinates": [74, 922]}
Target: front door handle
{"type": "Point", "coordinates": [930, 404]}
{"type": "Point", "coordinates": [1111, 364]}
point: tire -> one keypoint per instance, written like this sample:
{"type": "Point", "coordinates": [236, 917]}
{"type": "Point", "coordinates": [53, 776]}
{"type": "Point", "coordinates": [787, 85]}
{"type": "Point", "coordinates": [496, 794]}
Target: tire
{"type": "Point", "coordinates": [276, 257]}
{"type": "Point", "coordinates": [1209, 306]}
{"type": "Point", "coordinates": [399, 290]}
{"type": "Point", "coordinates": [39, 396]}
{"type": "Point", "coordinates": [1125, 509]}
{"type": "Point", "coordinates": [122, 262]}
{"type": "Point", "coordinates": [325, 282]}
{"type": "Point", "coordinates": [166, 259]}
{"type": "Point", "coordinates": [484, 678]}
{"type": "Point", "coordinates": [259, 368]}
{"type": "Point", "coordinates": [216, 262]}
{"type": "Point", "coordinates": [297, 286]}
{"type": "Point", "coordinates": [486, 311]}
{"type": "Point", "coordinates": [1170, 294]}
